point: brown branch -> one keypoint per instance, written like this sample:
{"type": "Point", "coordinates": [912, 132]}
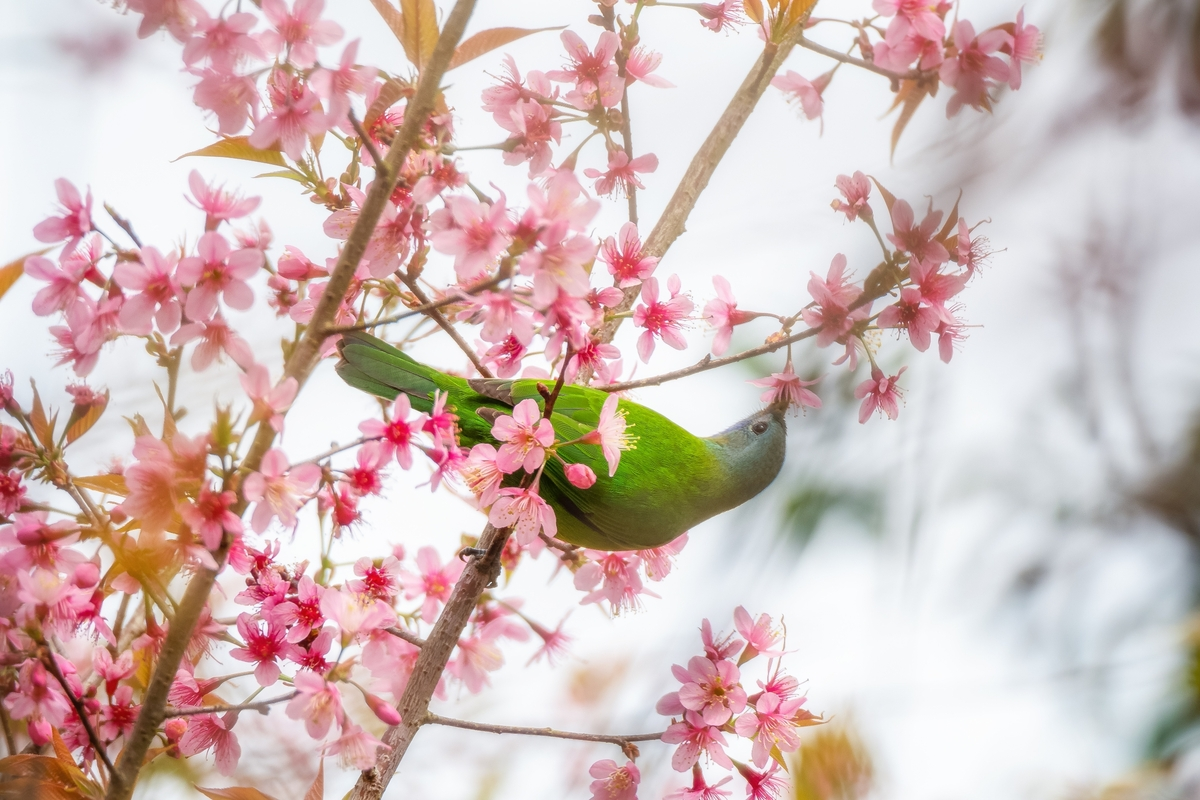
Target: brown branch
{"type": "Point", "coordinates": [673, 221]}
{"type": "Point", "coordinates": [445, 324]}
{"type": "Point", "coordinates": [836, 55]}
{"type": "Point", "coordinates": [481, 571]}
{"type": "Point", "coordinates": [407, 636]}
{"type": "Point", "coordinates": [47, 658]}
{"type": "Point", "coordinates": [261, 706]}
{"type": "Point", "coordinates": [434, 719]}
{"type": "Point", "coordinates": [300, 366]}
{"type": "Point", "coordinates": [609, 17]}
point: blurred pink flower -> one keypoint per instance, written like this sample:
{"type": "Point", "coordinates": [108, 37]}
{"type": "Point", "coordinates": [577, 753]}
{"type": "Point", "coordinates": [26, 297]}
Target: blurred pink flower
{"type": "Point", "coordinates": [613, 782]}
{"type": "Point", "coordinates": [300, 30]}
{"type": "Point", "coordinates": [75, 221]}
{"type": "Point", "coordinates": [879, 393]}
{"type": "Point", "coordinates": [278, 491]}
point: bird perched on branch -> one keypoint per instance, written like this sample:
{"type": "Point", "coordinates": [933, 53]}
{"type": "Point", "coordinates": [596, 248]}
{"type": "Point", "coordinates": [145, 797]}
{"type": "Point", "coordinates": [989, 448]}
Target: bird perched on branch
{"type": "Point", "coordinates": [669, 482]}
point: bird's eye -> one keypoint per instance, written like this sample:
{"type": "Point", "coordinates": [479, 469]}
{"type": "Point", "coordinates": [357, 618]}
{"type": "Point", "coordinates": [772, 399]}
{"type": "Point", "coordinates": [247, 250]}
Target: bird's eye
{"type": "Point", "coordinates": [759, 427]}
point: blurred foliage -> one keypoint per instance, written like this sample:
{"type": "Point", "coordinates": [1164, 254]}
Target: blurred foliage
{"type": "Point", "coordinates": [809, 503]}
{"type": "Point", "coordinates": [832, 764]}
{"type": "Point", "coordinates": [1148, 43]}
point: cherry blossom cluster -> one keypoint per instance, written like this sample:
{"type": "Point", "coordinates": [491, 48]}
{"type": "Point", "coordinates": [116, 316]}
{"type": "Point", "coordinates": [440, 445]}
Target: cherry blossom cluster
{"type": "Point", "coordinates": [712, 706]}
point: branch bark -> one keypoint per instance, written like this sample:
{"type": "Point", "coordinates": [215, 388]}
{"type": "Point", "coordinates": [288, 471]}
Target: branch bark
{"type": "Point", "coordinates": [483, 727]}
{"type": "Point", "coordinates": [300, 366]}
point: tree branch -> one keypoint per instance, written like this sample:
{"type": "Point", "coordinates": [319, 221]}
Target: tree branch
{"type": "Point", "coordinates": [261, 706]}
{"type": "Point", "coordinates": [836, 55]}
{"type": "Point", "coordinates": [407, 636]}
{"type": "Point", "coordinates": [445, 324]}
{"type": "Point", "coordinates": [434, 719]}
{"type": "Point", "coordinates": [449, 300]}
{"type": "Point", "coordinates": [300, 365]}
{"type": "Point", "coordinates": [47, 658]}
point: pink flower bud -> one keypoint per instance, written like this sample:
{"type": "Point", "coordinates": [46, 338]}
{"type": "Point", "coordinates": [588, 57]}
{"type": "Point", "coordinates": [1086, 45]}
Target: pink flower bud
{"type": "Point", "coordinates": [580, 476]}
{"type": "Point", "coordinates": [87, 575]}
{"type": "Point", "coordinates": [382, 709]}
{"type": "Point", "coordinates": [175, 728]}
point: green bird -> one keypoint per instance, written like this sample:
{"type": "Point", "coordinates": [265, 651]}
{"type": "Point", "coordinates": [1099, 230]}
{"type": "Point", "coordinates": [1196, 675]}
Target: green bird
{"type": "Point", "coordinates": [670, 481]}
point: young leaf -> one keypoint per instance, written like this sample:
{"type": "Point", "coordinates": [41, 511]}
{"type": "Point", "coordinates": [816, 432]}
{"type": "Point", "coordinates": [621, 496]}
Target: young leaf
{"type": "Point", "coordinates": [238, 147]}
{"type": "Point", "coordinates": [290, 174]}
{"type": "Point", "coordinates": [80, 423]}
{"type": "Point", "coordinates": [234, 793]}
{"type": "Point", "coordinates": [389, 93]}
{"type": "Point", "coordinates": [13, 270]}
{"type": "Point", "coordinates": [108, 484]}
{"type": "Point", "coordinates": [487, 41]}
{"type": "Point", "coordinates": [43, 429]}
{"type": "Point", "coordinates": [911, 93]}
{"type": "Point", "coordinates": [754, 10]}
{"type": "Point", "coordinates": [317, 790]}
{"type": "Point", "coordinates": [420, 30]}
{"type": "Point", "coordinates": [888, 198]}
{"type": "Point", "coordinates": [392, 17]}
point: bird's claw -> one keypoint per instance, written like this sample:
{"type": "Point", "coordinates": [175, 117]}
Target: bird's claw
{"type": "Point", "coordinates": [471, 552]}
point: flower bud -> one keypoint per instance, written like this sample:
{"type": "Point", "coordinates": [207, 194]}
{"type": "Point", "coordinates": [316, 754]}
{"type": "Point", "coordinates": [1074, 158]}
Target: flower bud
{"type": "Point", "coordinates": [87, 575]}
{"type": "Point", "coordinates": [382, 709]}
{"type": "Point", "coordinates": [175, 728]}
{"type": "Point", "coordinates": [580, 476]}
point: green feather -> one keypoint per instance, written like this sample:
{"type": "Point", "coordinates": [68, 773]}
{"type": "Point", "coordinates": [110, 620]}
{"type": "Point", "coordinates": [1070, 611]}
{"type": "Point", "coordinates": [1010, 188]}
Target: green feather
{"type": "Point", "coordinates": [671, 481]}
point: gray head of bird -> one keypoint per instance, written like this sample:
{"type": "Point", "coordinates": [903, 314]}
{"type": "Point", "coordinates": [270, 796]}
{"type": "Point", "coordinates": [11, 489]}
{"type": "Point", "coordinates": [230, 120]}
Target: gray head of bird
{"type": "Point", "coordinates": [752, 450]}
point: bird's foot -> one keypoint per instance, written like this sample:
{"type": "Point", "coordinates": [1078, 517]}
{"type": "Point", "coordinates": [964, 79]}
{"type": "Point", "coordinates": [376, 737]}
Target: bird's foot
{"type": "Point", "coordinates": [468, 553]}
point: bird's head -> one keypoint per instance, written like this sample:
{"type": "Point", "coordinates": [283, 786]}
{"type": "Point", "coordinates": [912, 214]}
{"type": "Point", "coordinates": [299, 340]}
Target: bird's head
{"type": "Point", "coordinates": [752, 450]}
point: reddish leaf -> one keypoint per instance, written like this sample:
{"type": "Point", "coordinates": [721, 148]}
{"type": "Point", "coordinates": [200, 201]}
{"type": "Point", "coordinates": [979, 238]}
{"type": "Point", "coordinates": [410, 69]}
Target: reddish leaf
{"type": "Point", "coordinates": [888, 197]}
{"type": "Point", "coordinates": [317, 790]}
{"type": "Point", "coordinates": [420, 30]}
{"type": "Point", "coordinates": [487, 41]}
{"type": "Point", "coordinates": [13, 270]}
{"type": "Point", "coordinates": [80, 423]}
{"type": "Point", "coordinates": [238, 147]}
{"type": "Point", "coordinates": [754, 10]}
{"type": "Point", "coordinates": [234, 793]}
{"type": "Point", "coordinates": [108, 484]}
{"type": "Point", "coordinates": [909, 98]}
{"type": "Point", "coordinates": [389, 93]}
{"type": "Point", "coordinates": [43, 428]}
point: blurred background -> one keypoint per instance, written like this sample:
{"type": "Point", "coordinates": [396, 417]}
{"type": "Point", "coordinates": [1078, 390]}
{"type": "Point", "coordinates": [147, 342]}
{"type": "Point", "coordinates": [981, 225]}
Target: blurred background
{"type": "Point", "coordinates": [992, 597]}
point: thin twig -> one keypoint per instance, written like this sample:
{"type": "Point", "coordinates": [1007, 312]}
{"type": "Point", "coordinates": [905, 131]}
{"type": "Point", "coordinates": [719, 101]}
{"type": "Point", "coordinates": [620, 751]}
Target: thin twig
{"type": "Point", "coordinates": [261, 706]}
{"type": "Point", "coordinates": [433, 305]}
{"type": "Point", "coordinates": [123, 224]}
{"type": "Point", "coordinates": [808, 44]}
{"type": "Point", "coordinates": [445, 324]}
{"type": "Point", "coordinates": [620, 740]}
{"type": "Point", "coordinates": [9, 741]}
{"type": "Point", "coordinates": [407, 636]}
{"type": "Point", "coordinates": [365, 140]}
{"type": "Point", "coordinates": [47, 658]}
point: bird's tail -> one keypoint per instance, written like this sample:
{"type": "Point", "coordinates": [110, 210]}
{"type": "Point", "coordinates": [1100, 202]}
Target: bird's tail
{"type": "Point", "coordinates": [376, 367]}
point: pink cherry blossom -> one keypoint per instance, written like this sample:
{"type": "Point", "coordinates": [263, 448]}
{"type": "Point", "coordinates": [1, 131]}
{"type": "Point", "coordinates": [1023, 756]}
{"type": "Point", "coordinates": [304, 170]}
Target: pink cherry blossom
{"type": "Point", "coordinates": [662, 320]}
{"type": "Point", "coordinates": [74, 222]}
{"type": "Point", "coordinates": [610, 433]}
{"type": "Point", "coordinates": [64, 283]}
{"type": "Point", "coordinates": [449, 461]}
{"type": "Point", "coordinates": [712, 690]}
{"type": "Point", "coordinates": [658, 561]}
{"type": "Point", "coordinates": [1025, 47]}
{"type": "Point", "coordinates": [722, 313]}
{"type": "Point", "coordinates": [38, 695]}
{"type": "Point", "coordinates": [278, 490]}
{"type": "Point", "coordinates": [217, 203]}
{"type": "Point", "coordinates": [396, 433]}
{"type": "Point", "coordinates": [621, 176]}
{"type": "Point", "coordinates": [216, 337]}
{"type": "Point", "coordinates": [482, 475]}
{"type": "Point", "coordinates": [12, 492]}
{"type": "Point", "coordinates": [300, 30]}
{"type": "Point", "coordinates": [533, 128]}
{"type": "Point", "coordinates": [263, 647]}
{"type": "Point", "coordinates": [356, 613]}
{"type": "Point", "coordinates": [270, 401]}
{"type": "Point", "coordinates": [504, 357]}
{"type": "Point", "coordinates": [916, 317]}
{"type": "Point", "coordinates": [856, 189]}
{"type": "Point", "coordinates": [525, 434]}
{"type": "Point", "coordinates": [295, 113]}
{"type": "Point", "coordinates": [474, 233]}
{"type": "Point", "coordinates": [379, 578]}
{"type": "Point", "coordinates": [802, 90]}
{"type": "Point", "coordinates": [722, 16]}
{"type": "Point", "coordinates": [442, 423]}
{"type": "Point", "coordinates": [786, 388]}
{"type": "Point", "coordinates": [903, 45]}
{"type": "Point", "coordinates": [525, 512]}
{"type": "Point", "coordinates": [613, 782]}
{"type": "Point", "coordinates": [209, 516]}
{"type": "Point", "coordinates": [640, 66]}
{"type": "Point", "coordinates": [557, 263]}
{"type": "Point", "coordinates": [217, 271]}
{"type": "Point", "coordinates": [391, 240]}
{"type": "Point", "coordinates": [365, 477]}
{"type": "Point", "coordinates": [920, 15]}
{"type": "Point", "coordinates": [612, 577]}
{"type": "Point", "coordinates": [317, 702]}
{"type": "Point", "coordinates": [210, 732]}
{"type": "Point", "coordinates": [765, 785]}
{"type": "Point", "coordinates": [224, 41]}
{"type": "Point", "coordinates": [112, 672]}
{"type": "Point", "coordinates": [35, 542]}
{"type": "Point", "coordinates": [592, 355]}
{"type": "Point", "coordinates": [701, 789]}
{"type": "Point", "coordinates": [157, 301]}
{"type": "Point", "coordinates": [759, 633]}
{"type": "Point", "coordinates": [971, 67]}
{"type": "Point", "coordinates": [833, 297]}
{"type": "Point", "coordinates": [695, 739]}
{"type": "Point", "coordinates": [301, 615]}
{"type": "Point", "coordinates": [336, 86]}
{"type": "Point", "coordinates": [232, 98]}
{"type": "Point", "coordinates": [594, 72]}
{"type": "Point", "coordinates": [356, 747]}
{"type": "Point", "coordinates": [474, 658]}
{"type": "Point", "coordinates": [623, 255]}
{"type": "Point", "coordinates": [771, 725]}
{"type": "Point", "coordinates": [879, 392]}
{"type": "Point", "coordinates": [433, 583]}
{"type": "Point", "coordinates": [119, 715]}
{"type": "Point", "coordinates": [177, 16]}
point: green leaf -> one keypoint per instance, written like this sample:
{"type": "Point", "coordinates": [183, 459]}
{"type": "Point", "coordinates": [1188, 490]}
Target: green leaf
{"type": "Point", "coordinates": [487, 41]}
{"type": "Point", "coordinates": [239, 148]}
